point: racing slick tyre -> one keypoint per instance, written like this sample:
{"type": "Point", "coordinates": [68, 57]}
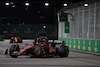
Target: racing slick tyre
{"type": "Point", "coordinates": [12, 49]}
{"type": "Point", "coordinates": [11, 41]}
{"type": "Point", "coordinates": [67, 52]}
{"type": "Point", "coordinates": [40, 51]}
{"type": "Point", "coordinates": [62, 51]}
{"type": "Point", "coordinates": [37, 49]}
{"type": "Point", "coordinates": [20, 40]}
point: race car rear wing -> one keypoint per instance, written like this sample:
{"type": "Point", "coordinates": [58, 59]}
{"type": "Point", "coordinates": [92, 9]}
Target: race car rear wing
{"type": "Point", "coordinates": [55, 41]}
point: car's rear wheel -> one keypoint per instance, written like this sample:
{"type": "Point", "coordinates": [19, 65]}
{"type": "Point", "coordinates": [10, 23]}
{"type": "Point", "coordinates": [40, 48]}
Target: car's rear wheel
{"type": "Point", "coordinates": [67, 52]}
{"type": "Point", "coordinates": [37, 49]}
{"type": "Point", "coordinates": [20, 40]}
{"type": "Point", "coordinates": [40, 51]}
{"type": "Point", "coordinates": [11, 41]}
{"type": "Point", "coordinates": [63, 51]}
{"type": "Point", "coordinates": [14, 48]}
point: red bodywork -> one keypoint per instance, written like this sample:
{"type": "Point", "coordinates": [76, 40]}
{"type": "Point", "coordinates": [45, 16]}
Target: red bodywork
{"type": "Point", "coordinates": [26, 47]}
{"type": "Point", "coordinates": [49, 49]}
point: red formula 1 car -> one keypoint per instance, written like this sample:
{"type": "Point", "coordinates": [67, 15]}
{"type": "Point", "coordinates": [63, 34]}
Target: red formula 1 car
{"type": "Point", "coordinates": [41, 48]}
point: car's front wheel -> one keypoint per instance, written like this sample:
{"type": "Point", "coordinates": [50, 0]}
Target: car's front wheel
{"type": "Point", "coordinates": [13, 51]}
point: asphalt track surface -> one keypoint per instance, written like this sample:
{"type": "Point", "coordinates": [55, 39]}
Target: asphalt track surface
{"type": "Point", "coordinates": [75, 59]}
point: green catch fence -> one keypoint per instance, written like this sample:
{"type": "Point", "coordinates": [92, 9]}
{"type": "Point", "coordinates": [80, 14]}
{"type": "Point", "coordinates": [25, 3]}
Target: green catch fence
{"type": "Point", "coordinates": [82, 44]}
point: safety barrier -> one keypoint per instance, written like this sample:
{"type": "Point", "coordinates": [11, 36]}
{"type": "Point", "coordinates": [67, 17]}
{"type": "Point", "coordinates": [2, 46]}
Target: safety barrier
{"type": "Point", "coordinates": [83, 44]}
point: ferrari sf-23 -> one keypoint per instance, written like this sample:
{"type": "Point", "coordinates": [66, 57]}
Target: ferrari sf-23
{"type": "Point", "coordinates": [42, 47]}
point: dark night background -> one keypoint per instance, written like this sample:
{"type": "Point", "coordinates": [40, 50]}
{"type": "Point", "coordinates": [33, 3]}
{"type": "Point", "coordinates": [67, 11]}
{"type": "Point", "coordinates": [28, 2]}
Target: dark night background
{"type": "Point", "coordinates": [35, 13]}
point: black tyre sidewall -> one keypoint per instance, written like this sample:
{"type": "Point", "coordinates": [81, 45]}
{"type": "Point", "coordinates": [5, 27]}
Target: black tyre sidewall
{"type": "Point", "coordinates": [67, 51]}
{"type": "Point", "coordinates": [12, 49]}
{"type": "Point", "coordinates": [37, 48]}
{"type": "Point", "coordinates": [61, 51]}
